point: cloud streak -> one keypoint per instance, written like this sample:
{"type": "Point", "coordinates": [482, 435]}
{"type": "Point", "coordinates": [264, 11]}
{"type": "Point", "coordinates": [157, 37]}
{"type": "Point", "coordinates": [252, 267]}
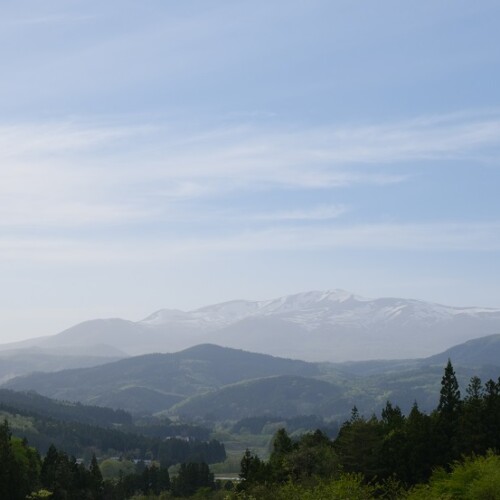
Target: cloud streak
{"type": "Point", "coordinates": [436, 237]}
{"type": "Point", "coordinates": [320, 213]}
{"type": "Point", "coordinates": [113, 172]}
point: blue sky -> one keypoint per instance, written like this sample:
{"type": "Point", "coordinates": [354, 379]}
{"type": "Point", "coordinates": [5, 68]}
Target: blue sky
{"type": "Point", "coordinates": [175, 154]}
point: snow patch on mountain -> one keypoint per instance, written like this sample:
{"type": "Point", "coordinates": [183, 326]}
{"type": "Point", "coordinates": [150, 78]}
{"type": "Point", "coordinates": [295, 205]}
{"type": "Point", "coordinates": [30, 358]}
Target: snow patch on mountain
{"type": "Point", "coordinates": [332, 325]}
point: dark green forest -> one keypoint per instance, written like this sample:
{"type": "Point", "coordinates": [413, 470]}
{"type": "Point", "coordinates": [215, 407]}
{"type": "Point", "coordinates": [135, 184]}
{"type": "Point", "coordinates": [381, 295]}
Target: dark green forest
{"type": "Point", "coordinates": [81, 430]}
{"type": "Point", "coordinates": [448, 453]}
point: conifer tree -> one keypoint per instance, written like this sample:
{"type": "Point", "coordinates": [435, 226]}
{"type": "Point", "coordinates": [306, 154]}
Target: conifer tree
{"type": "Point", "coordinates": [6, 461]}
{"type": "Point", "coordinates": [447, 418]}
{"type": "Point", "coordinates": [96, 482]}
{"type": "Point", "coordinates": [282, 446]}
{"type": "Point", "coordinates": [449, 398]}
{"type": "Point", "coordinates": [420, 455]}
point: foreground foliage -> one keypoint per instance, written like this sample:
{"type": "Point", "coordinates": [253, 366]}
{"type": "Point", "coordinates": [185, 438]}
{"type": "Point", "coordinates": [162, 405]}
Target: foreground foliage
{"type": "Point", "coordinates": [391, 454]}
{"type": "Point", "coordinates": [475, 478]}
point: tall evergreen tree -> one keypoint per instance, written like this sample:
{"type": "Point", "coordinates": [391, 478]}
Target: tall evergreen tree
{"type": "Point", "coordinates": [49, 467]}
{"type": "Point", "coordinates": [282, 443]}
{"type": "Point", "coordinates": [253, 469]}
{"type": "Point", "coordinates": [282, 446]}
{"type": "Point", "coordinates": [420, 456]}
{"type": "Point", "coordinates": [446, 418]}
{"type": "Point", "coordinates": [393, 456]}
{"type": "Point", "coordinates": [472, 420]}
{"type": "Point", "coordinates": [449, 397]}
{"type": "Point", "coordinates": [96, 482]}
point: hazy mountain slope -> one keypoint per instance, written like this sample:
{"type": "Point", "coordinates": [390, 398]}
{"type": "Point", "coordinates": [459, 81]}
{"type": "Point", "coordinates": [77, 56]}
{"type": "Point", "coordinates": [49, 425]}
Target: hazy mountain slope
{"type": "Point", "coordinates": [117, 336]}
{"type": "Point", "coordinates": [478, 353]}
{"type": "Point", "coordinates": [162, 379]}
{"type": "Point", "coordinates": [116, 333]}
{"type": "Point", "coordinates": [325, 325]}
{"type": "Point", "coordinates": [23, 361]}
{"type": "Point", "coordinates": [100, 336]}
{"type": "Point", "coordinates": [475, 352]}
{"type": "Point", "coordinates": [374, 367]}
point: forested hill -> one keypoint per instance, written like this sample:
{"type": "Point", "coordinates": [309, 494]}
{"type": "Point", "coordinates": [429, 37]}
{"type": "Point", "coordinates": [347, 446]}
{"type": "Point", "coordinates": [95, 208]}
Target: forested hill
{"type": "Point", "coordinates": [282, 395]}
{"type": "Point", "coordinates": [154, 382]}
{"type": "Point", "coordinates": [65, 411]}
{"type": "Point", "coordinates": [201, 381]}
{"type": "Point", "coordinates": [43, 423]}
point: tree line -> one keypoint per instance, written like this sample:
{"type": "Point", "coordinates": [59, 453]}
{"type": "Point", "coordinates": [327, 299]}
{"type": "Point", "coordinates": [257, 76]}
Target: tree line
{"type": "Point", "coordinates": [58, 476]}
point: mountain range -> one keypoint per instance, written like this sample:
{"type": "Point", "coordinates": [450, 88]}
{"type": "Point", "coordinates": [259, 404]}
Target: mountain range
{"type": "Point", "coordinates": [220, 383]}
{"type": "Point", "coordinates": [332, 325]}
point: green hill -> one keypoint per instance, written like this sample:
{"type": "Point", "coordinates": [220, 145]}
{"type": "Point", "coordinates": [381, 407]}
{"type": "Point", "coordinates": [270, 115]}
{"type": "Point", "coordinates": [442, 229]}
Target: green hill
{"type": "Point", "coordinates": [154, 382]}
{"type": "Point", "coordinates": [282, 395]}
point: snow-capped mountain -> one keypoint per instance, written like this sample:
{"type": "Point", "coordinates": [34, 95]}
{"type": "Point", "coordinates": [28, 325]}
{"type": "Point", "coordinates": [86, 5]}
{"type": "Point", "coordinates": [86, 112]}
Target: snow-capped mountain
{"type": "Point", "coordinates": [332, 325]}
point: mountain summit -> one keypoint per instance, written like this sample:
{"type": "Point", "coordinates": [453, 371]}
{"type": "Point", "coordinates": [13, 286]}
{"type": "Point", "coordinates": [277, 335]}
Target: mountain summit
{"type": "Point", "coordinates": [332, 325]}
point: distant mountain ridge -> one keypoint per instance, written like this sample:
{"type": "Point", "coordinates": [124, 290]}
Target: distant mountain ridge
{"type": "Point", "coordinates": [15, 362]}
{"type": "Point", "coordinates": [475, 352]}
{"type": "Point", "coordinates": [332, 325]}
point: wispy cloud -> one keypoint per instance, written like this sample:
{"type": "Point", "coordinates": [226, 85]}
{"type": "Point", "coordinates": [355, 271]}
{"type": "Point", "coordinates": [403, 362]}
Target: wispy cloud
{"type": "Point", "coordinates": [109, 172]}
{"type": "Point", "coordinates": [33, 140]}
{"type": "Point", "coordinates": [482, 237]}
{"type": "Point", "coordinates": [320, 213]}
{"type": "Point", "coordinates": [437, 237]}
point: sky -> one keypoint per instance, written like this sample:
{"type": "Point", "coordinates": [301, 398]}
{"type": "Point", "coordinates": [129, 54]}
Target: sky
{"type": "Point", "coordinates": [168, 154]}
